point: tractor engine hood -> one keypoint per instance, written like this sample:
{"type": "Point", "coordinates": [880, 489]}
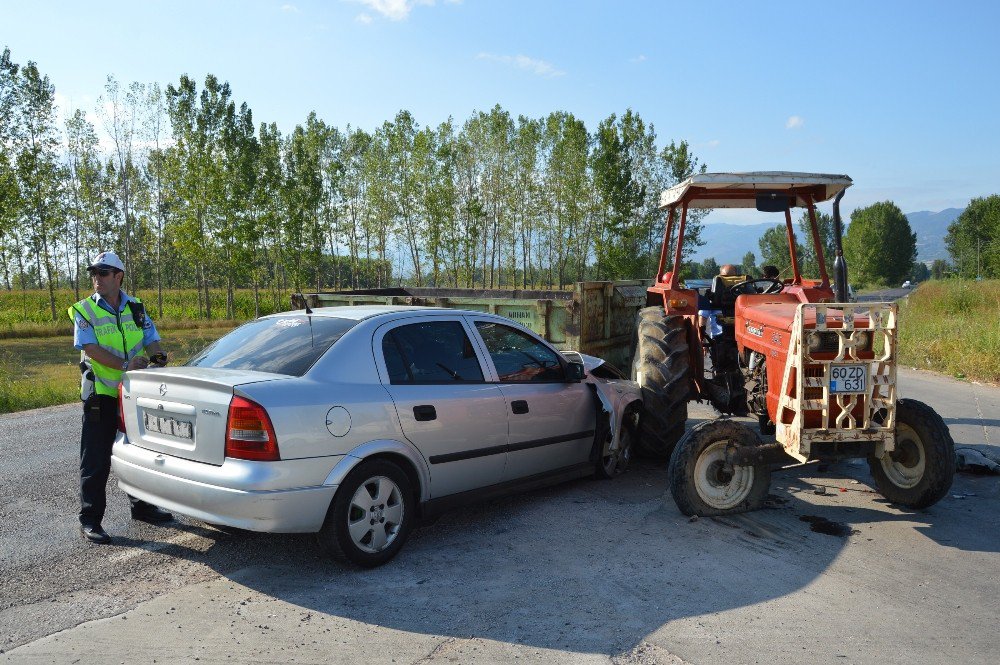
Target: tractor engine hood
{"type": "Point", "coordinates": [770, 312]}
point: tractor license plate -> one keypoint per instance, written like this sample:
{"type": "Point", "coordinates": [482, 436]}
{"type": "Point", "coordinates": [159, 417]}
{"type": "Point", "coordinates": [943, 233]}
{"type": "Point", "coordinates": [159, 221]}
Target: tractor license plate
{"type": "Point", "coordinates": [179, 428]}
{"type": "Point", "coordinates": [848, 379]}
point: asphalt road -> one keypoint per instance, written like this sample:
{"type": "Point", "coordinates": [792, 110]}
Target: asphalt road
{"type": "Point", "coordinates": [885, 295]}
{"type": "Point", "coordinates": [584, 572]}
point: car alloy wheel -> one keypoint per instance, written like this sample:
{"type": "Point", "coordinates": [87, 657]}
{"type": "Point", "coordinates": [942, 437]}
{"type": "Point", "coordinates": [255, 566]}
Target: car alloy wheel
{"type": "Point", "coordinates": [375, 514]}
{"type": "Point", "coordinates": [371, 514]}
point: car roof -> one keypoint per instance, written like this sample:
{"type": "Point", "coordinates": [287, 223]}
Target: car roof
{"type": "Point", "coordinates": [362, 312]}
{"type": "Point", "coordinates": [739, 190]}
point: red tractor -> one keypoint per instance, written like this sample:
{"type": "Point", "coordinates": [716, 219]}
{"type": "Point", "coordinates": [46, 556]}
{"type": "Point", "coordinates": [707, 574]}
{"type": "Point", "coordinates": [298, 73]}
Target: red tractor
{"type": "Point", "coordinates": [818, 372]}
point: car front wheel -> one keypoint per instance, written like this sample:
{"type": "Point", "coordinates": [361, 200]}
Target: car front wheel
{"type": "Point", "coordinates": [614, 462]}
{"type": "Point", "coordinates": [371, 515]}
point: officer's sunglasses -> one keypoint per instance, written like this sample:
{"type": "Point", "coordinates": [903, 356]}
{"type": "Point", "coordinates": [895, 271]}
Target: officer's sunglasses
{"type": "Point", "coordinates": [103, 272]}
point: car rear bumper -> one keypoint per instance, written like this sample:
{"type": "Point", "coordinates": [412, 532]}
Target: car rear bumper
{"type": "Point", "coordinates": [242, 494]}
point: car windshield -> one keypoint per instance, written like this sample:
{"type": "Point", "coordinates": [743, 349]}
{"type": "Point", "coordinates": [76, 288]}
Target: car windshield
{"type": "Point", "coordinates": [280, 345]}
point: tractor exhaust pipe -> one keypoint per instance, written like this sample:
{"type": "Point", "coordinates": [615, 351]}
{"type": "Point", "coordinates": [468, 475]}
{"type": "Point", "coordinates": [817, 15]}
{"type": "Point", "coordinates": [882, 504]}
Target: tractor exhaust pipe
{"type": "Point", "coordinates": [839, 263]}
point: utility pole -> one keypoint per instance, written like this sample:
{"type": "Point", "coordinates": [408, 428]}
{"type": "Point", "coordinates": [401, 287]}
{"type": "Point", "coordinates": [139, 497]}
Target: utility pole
{"type": "Point", "coordinates": [979, 261]}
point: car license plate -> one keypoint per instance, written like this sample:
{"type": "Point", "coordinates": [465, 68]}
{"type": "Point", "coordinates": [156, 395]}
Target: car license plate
{"type": "Point", "coordinates": [166, 425]}
{"type": "Point", "coordinates": [848, 379]}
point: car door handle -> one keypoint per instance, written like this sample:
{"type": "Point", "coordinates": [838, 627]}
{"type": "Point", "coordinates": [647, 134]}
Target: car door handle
{"type": "Point", "coordinates": [519, 406]}
{"type": "Point", "coordinates": [424, 412]}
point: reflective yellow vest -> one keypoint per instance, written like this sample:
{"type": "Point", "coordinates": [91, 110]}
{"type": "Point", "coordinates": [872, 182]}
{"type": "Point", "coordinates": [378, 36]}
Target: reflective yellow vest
{"type": "Point", "coordinates": [116, 333]}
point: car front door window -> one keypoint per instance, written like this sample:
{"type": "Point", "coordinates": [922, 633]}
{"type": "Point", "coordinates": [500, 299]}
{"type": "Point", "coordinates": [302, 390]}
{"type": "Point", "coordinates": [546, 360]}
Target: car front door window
{"type": "Point", "coordinates": [551, 420]}
{"type": "Point", "coordinates": [519, 358]}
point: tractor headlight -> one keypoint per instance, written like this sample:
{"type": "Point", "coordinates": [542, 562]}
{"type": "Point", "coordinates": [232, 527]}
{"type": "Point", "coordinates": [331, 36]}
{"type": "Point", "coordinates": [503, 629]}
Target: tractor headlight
{"type": "Point", "coordinates": [823, 342]}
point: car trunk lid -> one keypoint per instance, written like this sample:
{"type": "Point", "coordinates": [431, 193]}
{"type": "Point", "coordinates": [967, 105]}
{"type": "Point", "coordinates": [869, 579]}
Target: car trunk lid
{"type": "Point", "coordinates": [183, 411]}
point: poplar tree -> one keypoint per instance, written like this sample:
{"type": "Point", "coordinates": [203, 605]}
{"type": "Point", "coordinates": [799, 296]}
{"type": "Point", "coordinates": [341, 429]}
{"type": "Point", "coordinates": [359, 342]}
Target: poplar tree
{"type": "Point", "coordinates": [120, 111]}
{"type": "Point", "coordinates": [37, 164]}
{"type": "Point", "coordinates": [10, 198]}
{"type": "Point", "coordinates": [302, 195]}
{"type": "Point", "coordinates": [85, 192]}
{"type": "Point", "coordinates": [567, 202]}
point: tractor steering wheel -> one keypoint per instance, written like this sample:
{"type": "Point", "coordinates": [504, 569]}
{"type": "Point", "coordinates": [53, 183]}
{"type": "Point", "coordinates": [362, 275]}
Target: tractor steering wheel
{"type": "Point", "coordinates": [767, 285]}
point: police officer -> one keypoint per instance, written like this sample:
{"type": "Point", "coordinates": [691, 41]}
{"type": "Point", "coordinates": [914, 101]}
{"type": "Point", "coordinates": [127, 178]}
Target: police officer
{"type": "Point", "coordinates": [111, 329]}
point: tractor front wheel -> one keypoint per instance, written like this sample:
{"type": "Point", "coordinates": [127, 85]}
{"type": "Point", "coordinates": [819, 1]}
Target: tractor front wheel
{"type": "Point", "coordinates": [662, 368]}
{"type": "Point", "coordinates": [701, 481]}
{"type": "Point", "coordinates": [919, 472]}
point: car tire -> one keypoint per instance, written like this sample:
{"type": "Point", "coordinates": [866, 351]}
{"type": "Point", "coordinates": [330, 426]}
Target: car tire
{"type": "Point", "coordinates": [611, 465]}
{"type": "Point", "coordinates": [371, 515]}
{"type": "Point", "coordinates": [662, 368]}
{"type": "Point", "coordinates": [919, 472]}
{"type": "Point", "coordinates": [699, 482]}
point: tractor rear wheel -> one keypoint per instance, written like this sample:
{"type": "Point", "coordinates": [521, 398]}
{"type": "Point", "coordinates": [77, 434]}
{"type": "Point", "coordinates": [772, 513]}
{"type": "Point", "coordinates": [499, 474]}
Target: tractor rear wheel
{"type": "Point", "coordinates": [703, 484]}
{"type": "Point", "coordinates": [919, 472]}
{"type": "Point", "coordinates": [662, 369]}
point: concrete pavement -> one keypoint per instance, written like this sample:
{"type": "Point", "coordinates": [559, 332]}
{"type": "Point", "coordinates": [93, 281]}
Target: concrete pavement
{"type": "Point", "coordinates": [593, 572]}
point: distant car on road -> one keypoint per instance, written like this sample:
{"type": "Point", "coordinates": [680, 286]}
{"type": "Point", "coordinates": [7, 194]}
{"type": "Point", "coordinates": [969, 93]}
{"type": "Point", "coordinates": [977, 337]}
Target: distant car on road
{"type": "Point", "coordinates": [352, 422]}
{"type": "Point", "coordinates": [907, 284]}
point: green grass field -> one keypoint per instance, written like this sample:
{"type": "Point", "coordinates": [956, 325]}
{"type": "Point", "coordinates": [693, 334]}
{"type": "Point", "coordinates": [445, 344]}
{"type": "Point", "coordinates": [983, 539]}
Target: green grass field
{"type": "Point", "coordinates": [38, 364]}
{"type": "Point", "coordinates": [28, 313]}
{"type": "Point", "coordinates": [43, 371]}
{"type": "Point", "coordinates": [953, 327]}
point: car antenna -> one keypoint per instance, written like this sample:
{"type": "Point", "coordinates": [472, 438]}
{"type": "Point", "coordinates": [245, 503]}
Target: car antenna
{"type": "Point", "coordinates": [305, 303]}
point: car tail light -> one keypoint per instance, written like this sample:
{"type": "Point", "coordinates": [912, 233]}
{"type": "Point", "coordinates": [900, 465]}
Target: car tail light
{"type": "Point", "coordinates": [121, 411]}
{"type": "Point", "coordinates": [249, 433]}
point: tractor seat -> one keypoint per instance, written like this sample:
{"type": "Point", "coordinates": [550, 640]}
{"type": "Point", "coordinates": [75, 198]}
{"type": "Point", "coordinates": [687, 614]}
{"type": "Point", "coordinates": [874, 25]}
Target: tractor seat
{"type": "Point", "coordinates": [720, 295]}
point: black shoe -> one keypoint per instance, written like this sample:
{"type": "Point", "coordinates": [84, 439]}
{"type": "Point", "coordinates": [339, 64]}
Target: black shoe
{"type": "Point", "coordinates": [95, 534]}
{"type": "Point", "coordinates": [151, 514]}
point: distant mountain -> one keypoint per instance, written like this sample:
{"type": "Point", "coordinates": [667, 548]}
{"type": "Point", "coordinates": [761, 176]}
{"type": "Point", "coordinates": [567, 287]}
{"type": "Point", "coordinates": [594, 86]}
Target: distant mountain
{"type": "Point", "coordinates": [931, 229]}
{"type": "Point", "coordinates": [728, 243]}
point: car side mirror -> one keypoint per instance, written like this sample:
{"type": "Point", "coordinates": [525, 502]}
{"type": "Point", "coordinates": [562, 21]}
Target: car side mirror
{"type": "Point", "coordinates": [575, 371]}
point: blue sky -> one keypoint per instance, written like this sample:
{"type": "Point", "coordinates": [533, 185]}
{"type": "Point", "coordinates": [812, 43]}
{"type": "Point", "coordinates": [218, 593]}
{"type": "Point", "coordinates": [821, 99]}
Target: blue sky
{"type": "Point", "coordinates": [902, 96]}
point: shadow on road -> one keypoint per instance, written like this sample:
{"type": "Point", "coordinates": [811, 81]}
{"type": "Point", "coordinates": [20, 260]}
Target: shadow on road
{"type": "Point", "coordinates": [589, 566]}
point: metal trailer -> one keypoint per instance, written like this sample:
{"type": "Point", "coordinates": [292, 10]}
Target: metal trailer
{"type": "Point", "coordinates": [596, 318]}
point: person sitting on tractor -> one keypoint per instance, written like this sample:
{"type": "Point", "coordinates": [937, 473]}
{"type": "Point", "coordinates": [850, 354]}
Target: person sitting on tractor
{"type": "Point", "coordinates": [769, 272]}
{"type": "Point", "coordinates": [720, 302]}
{"type": "Point", "coordinates": [721, 293]}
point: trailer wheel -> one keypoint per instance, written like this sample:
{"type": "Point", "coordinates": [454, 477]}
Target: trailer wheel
{"type": "Point", "coordinates": [919, 472]}
{"type": "Point", "coordinates": [700, 481]}
{"type": "Point", "coordinates": [662, 368]}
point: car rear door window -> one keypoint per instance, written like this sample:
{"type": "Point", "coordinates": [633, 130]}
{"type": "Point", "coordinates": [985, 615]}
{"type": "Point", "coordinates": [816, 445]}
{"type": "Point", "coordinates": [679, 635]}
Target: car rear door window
{"type": "Point", "coordinates": [430, 352]}
{"type": "Point", "coordinates": [281, 345]}
{"type": "Point", "coordinates": [519, 357]}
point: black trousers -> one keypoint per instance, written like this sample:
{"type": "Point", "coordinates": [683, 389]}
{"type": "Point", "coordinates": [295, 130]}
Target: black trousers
{"type": "Point", "coordinates": [100, 425]}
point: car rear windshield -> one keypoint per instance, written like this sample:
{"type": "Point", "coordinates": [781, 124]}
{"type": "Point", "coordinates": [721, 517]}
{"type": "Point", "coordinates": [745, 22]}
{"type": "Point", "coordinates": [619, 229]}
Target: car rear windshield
{"type": "Point", "coordinates": [281, 345]}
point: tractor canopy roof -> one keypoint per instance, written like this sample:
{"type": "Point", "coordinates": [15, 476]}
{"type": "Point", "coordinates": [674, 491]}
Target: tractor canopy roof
{"type": "Point", "coordinates": [740, 190]}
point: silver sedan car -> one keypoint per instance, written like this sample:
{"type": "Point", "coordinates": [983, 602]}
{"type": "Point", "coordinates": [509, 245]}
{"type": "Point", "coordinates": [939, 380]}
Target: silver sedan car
{"type": "Point", "coordinates": [356, 422]}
